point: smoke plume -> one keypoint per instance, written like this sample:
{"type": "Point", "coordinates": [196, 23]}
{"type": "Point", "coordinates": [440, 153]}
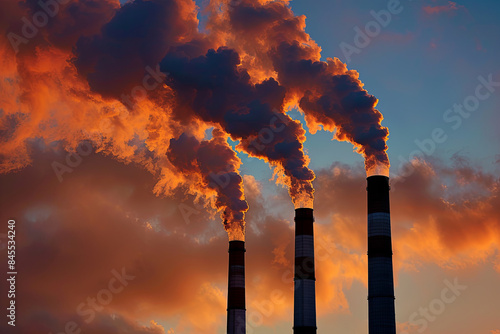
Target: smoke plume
{"type": "Point", "coordinates": [273, 40]}
{"type": "Point", "coordinates": [196, 159]}
{"type": "Point", "coordinates": [141, 81]}
{"type": "Point", "coordinates": [214, 89]}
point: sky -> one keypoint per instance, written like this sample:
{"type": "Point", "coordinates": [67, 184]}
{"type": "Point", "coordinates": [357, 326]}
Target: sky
{"type": "Point", "coordinates": [119, 201]}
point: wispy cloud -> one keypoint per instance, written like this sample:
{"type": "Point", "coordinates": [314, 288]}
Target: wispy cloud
{"type": "Point", "coordinates": [450, 7]}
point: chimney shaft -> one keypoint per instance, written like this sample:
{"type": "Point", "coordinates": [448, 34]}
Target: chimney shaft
{"type": "Point", "coordinates": [381, 313]}
{"type": "Point", "coordinates": [304, 317]}
{"type": "Point", "coordinates": [236, 313]}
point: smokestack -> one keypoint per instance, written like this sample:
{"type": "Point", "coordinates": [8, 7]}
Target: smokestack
{"type": "Point", "coordinates": [304, 315]}
{"type": "Point", "coordinates": [381, 314]}
{"type": "Point", "coordinates": [236, 313]}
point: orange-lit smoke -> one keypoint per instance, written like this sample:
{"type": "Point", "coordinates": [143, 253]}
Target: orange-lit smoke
{"type": "Point", "coordinates": [215, 88]}
{"type": "Point", "coordinates": [255, 61]}
{"type": "Point", "coordinates": [49, 97]}
{"type": "Point", "coordinates": [213, 167]}
{"type": "Point", "coordinates": [269, 36]}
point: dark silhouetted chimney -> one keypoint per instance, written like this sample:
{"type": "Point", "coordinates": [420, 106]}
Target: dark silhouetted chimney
{"type": "Point", "coordinates": [381, 314]}
{"type": "Point", "coordinates": [304, 315]}
{"type": "Point", "coordinates": [236, 313]}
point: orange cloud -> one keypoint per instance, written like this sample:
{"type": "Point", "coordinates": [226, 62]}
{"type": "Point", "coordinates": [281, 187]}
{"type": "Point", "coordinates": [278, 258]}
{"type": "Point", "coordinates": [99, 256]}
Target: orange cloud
{"type": "Point", "coordinates": [432, 213]}
{"type": "Point", "coordinates": [103, 216]}
{"type": "Point", "coordinates": [450, 7]}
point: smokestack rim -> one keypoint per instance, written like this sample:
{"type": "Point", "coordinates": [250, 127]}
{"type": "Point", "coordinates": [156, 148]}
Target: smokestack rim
{"type": "Point", "coordinates": [304, 213]}
{"type": "Point", "coordinates": [236, 245]}
{"type": "Point", "coordinates": [377, 182]}
{"type": "Point", "coordinates": [373, 177]}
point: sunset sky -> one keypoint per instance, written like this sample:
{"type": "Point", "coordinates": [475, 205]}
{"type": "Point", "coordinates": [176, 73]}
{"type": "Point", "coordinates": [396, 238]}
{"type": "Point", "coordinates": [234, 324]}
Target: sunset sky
{"type": "Point", "coordinates": [120, 199]}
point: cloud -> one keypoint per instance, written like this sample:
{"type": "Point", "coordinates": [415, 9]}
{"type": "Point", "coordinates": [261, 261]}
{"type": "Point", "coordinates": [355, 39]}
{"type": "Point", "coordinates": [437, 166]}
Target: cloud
{"type": "Point", "coordinates": [104, 217]}
{"type": "Point", "coordinates": [72, 235]}
{"type": "Point", "coordinates": [448, 8]}
{"type": "Point", "coordinates": [442, 214]}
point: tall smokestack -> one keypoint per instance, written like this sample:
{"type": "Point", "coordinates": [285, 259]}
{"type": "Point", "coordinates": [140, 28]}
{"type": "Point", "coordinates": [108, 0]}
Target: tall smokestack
{"type": "Point", "coordinates": [381, 314]}
{"type": "Point", "coordinates": [236, 313]}
{"type": "Point", "coordinates": [304, 315]}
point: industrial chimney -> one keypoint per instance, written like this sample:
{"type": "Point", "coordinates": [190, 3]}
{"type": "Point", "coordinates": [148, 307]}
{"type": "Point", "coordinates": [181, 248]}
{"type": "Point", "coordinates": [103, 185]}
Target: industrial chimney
{"type": "Point", "coordinates": [304, 316]}
{"type": "Point", "coordinates": [236, 313]}
{"type": "Point", "coordinates": [381, 314]}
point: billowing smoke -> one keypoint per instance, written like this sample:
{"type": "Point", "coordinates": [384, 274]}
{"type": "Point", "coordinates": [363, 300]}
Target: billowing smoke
{"type": "Point", "coordinates": [331, 96]}
{"type": "Point", "coordinates": [137, 37]}
{"type": "Point", "coordinates": [213, 88]}
{"type": "Point", "coordinates": [64, 86]}
{"type": "Point", "coordinates": [140, 81]}
{"type": "Point", "coordinates": [213, 165]}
